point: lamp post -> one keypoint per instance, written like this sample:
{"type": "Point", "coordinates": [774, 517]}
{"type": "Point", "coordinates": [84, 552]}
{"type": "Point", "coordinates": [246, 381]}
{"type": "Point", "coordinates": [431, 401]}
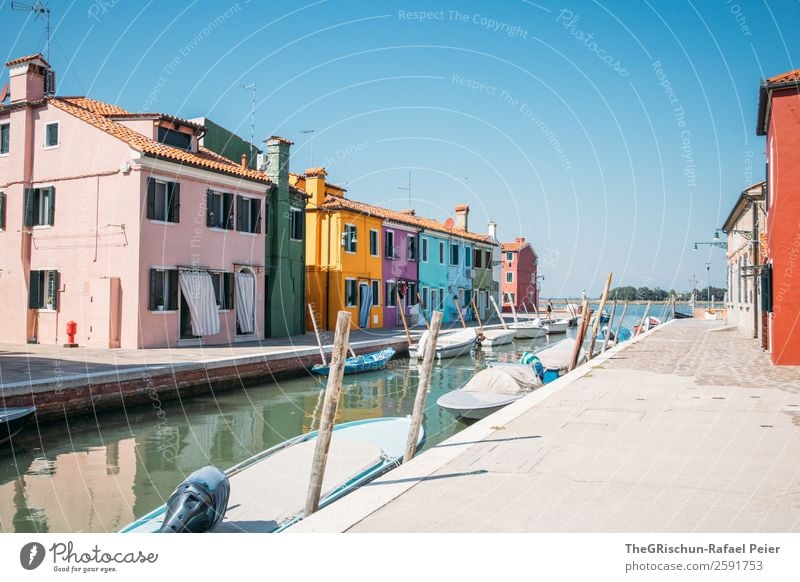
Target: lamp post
{"type": "Point", "coordinates": [708, 281]}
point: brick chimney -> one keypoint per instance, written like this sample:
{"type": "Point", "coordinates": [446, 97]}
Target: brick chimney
{"type": "Point", "coordinates": [520, 239]}
{"type": "Point", "coordinates": [315, 185]}
{"type": "Point", "coordinates": [462, 216]}
{"type": "Point", "coordinates": [277, 161]}
{"type": "Point", "coordinates": [30, 78]}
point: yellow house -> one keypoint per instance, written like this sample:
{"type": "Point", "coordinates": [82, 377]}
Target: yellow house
{"type": "Point", "coordinates": [343, 259]}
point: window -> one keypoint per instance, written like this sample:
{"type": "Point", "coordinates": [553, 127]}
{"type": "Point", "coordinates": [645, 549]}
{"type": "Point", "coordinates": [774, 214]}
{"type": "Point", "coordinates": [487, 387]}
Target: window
{"type": "Point", "coordinates": [478, 259]}
{"type": "Point", "coordinates": [350, 292]}
{"type": "Point", "coordinates": [454, 253]}
{"type": "Point", "coordinates": [424, 298]}
{"type": "Point", "coordinates": [376, 292]}
{"type": "Point", "coordinates": [411, 248]}
{"type": "Point", "coordinates": [163, 200]}
{"type": "Point", "coordinates": [2, 210]}
{"type": "Point", "coordinates": [509, 257]}
{"type": "Point", "coordinates": [298, 224]}
{"type": "Point", "coordinates": [373, 243]}
{"type": "Point", "coordinates": [467, 256]}
{"type": "Point", "coordinates": [163, 290]}
{"type": "Point", "coordinates": [40, 206]}
{"type": "Point", "coordinates": [440, 307]}
{"type": "Point", "coordinates": [349, 238]}
{"type": "Point", "coordinates": [509, 277]}
{"type": "Point", "coordinates": [248, 214]}
{"type": "Point", "coordinates": [43, 290]}
{"type": "Point", "coordinates": [411, 293]}
{"type": "Point", "coordinates": [174, 138]}
{"type": "Point", "coordinates": [424, 244]}
{"type": "Point", "coordinates": [389, 252]}
{"type": "Point", "coordinates": [223, 289]}
{"type": "Point", "coordinates": [219, 210]}
{"type": "Point", "coordinates": [441, 253]}
{"type": "Point", "coordinates": [51, 135]}
{"type": "Point", "coordinates": [487, 259]}
{"type": "Point", "coordinates": [5, 137]}
{"type": "Point", "coordinates": [391, 294]}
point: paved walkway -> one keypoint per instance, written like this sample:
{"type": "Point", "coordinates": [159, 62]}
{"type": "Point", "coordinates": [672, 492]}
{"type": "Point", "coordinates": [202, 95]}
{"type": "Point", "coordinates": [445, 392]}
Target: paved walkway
{"type": "Point", "coordinates": [686, 429]}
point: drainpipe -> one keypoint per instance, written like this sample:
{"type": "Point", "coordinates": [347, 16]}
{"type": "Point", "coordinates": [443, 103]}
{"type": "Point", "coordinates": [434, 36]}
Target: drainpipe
{"type": "Point", "coordinates": [756, 273]}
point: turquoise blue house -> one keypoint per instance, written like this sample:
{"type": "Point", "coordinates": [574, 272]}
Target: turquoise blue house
{"type": "Point", "coordinates": [433, 285]}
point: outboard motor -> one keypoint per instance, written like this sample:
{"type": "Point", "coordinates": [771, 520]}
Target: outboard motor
{"type": "Point", "coordinates": [199, 503]}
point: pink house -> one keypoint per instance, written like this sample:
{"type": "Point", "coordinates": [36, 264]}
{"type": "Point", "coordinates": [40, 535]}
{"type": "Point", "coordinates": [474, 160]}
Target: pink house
{"type": "Point", "coordinates": [518, 285]}
{"type": "Point", "coordinates": [121, 223]}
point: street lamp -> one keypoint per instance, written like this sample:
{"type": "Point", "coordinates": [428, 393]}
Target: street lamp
{"type": "Point", "coordinates": [708, 280]}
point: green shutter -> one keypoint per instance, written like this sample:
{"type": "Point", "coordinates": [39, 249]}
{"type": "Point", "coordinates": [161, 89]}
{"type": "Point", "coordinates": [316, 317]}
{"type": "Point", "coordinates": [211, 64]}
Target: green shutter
{"type": "Point", "coordinates": [151, 198]}
{"type": "Point", "coordinates": [227, 205]}
{"type": "Point", "coordinates": [51, 209]}
{"type": "Point", "coordinates": [55, 277]}
{"type": "Point", "coordinates": [172, 300]}
{"type": "Point", "coordinates": [174, 202]}
{"type": "Point", "coordinates": [255, 204]}
{"type": "Point", "coordinates": [28, 206]}
{"type": "Point", "coordinates": [209, 208]}
{"type": "Point", "coordinates": [228, 282]}
{"type": "Point", "coordinates": [2, 210]}
{"type": "Point", "coordinates": [153, 303]}
{"type": "Point", "coordinates": [240, 216]}
{"type": "Point", "coordinates": [35, 295]}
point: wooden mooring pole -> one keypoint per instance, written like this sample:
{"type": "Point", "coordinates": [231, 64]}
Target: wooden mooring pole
{"type": "Point", "coordinates": [644, 318]}
{"type": "Point", "coordinates": [422, 389]}
{"type": "Point", "coordinates": [609, 327]}
{"type": "Point", "coordinates": [477, 315]}
{"type": "Point", "coordinates": [497, 310]}
{"type": "Point", "coordinates": [422, 311]}
{"type": "Point", "coordinates": [598, 316]}
{"type": "Point", "coordinates": [403, 317]}
{"type": "Point", "coordinates": [332, 391]}
{"type": "Point", "coordinates": [621, 320]}
{"type": "Point", "coordinates": [316, 332]}
{"type": "Point", "coordinates": [586, 315]}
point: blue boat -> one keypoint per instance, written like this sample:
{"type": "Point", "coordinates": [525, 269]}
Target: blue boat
{"type": "Point", "coordinates": [624, 334]}
{"type": "Point", "coordinates": [12, 420]}
{"type": "Point", "coordinates": [366, 363]}
{"type": "Point", "coordinates": [268, 490]}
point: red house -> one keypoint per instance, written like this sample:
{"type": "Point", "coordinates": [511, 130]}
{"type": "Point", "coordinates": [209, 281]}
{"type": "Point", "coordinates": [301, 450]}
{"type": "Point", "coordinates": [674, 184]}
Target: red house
{"type": "Point", "coordinates": [778, 106]}
{"type": "Point", "coordinates": [518, 284]}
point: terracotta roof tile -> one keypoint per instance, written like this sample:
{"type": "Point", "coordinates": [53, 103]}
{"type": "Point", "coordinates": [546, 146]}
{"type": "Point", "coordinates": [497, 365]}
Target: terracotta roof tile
{"type": "Point", "coordinates": [785, 77]}
{"type": "Point", "coordinates": [341, 203]}
{"type": "Point", "coordinates": [38, 56]}
{"type": "Point", "coordinates": [320, 171]}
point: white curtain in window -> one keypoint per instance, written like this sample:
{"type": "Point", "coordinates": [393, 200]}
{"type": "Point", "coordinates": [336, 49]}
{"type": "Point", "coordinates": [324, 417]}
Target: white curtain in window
{"type": "Point", "coordinates": [198, 291]}
{"type": "Point", "coordinates": [246, 301]}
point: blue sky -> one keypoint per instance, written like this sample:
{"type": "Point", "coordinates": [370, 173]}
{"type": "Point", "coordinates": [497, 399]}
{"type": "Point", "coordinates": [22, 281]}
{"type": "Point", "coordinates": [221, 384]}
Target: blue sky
{"type": "Point", "coordinates": [612, 135]}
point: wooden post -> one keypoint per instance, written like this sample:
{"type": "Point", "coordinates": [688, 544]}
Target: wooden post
{"type": "Point", "coordinates": [621, 320]}
{"type": "Point", "coordinates": [514, 310]}
{"type": "Point", "coordinates": [403, 317]}
{"type": "Point", "coordinates": [422, 311]}
{"type": "Point", "coordinates": [340, 344]}
{"type": "Point", "coordinates": [608, 329]}
{"type": "Point", "coordinates": [316, 332]}
{"type": "Point", "coordinates": [460, 315]}
{"type": "Point", "coordinates": [497, 310]}
{"type": "Point", "coordinates": [644, 318]}
{"type": "Point", "coordinates": [598, 317]}
{"type": "Point", "coordinates": [422, 388]}
{"type": "Point", "coordinates": [477, 315]}
{"type": "Point", "coordinates": [586, 315]}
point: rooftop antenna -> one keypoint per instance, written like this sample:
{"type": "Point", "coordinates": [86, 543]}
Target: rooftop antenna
{"type": "Point", "coordinates": [311, 131]}
{"type": "Point", "coordinates": [41, 11]}
{"type": "Point", "coordinates": [252, 87]}
{"type": "Point", "coordinates": [407, 187]}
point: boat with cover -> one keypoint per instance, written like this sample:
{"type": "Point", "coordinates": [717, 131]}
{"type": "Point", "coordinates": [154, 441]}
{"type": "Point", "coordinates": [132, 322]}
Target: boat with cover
{"type": "Point", "coordinates": [357, 364]}
{"type": "Point", "coordinates": [555, 359]}
{"type": "Point", "coordinates": [490, 390]}
{"type": "Point", "coordinates": [528, 329]}
{"type": "Point", "coordinates": [448, 345]}
{"type": "Point", "coordinates": [268, 491]}
{"type": "Point", "coordinates": [12, 420]}
{"type": "Point", "coordinates": [497, 337]}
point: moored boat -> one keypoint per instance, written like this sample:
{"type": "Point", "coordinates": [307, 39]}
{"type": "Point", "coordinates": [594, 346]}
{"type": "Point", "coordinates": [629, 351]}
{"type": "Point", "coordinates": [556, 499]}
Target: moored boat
{"type": "Point", "coordinates": [13, 420]}
{"type": "Point", "coordinates": [450, 345]}
{"type": "Point", "coordinates": [556, 359]}
{"type": "Point", "coordinates": [497, 337]}
{"type": "Point", "coordinates": [490, 390]}
{"type": "Point", "coordinates": [556, 326]}
{"type": "Point", "coordinates": [364, 363]}
{"type": "Point", "coordinates": [268, 490]}
{"type": "Point", "coordinates": [528, 329]}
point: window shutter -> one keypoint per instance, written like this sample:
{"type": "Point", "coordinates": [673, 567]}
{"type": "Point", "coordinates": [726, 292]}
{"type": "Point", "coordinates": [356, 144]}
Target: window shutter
{"type": "Point", "coordinates": [35, 298]}
{"type": "Point", "coordinates": [51, 210]}
{"type": "Point", "coordinates": [28, 206]}
{"type": "Point", "coordinates": [228, 209]}
{"type": "Point", "coordinates": [151, 198]}
{"type": "Point", "coordinates": [229, 290]}
{"type": "Point", "coordinates": [256, 204]}
{"type": "Point", "coordinates": [766, 288]}
{"type": "Point", "coordinates": [209, 208]}
{"type": "Point", "coordinates": [153, 303]}
{"type": "Point", "coordinates": [172, 300]}
{"type": "Point", "coordinates": [240, 213]}
{"type": "Point", "coordinates": [56, 278]}
{"type": "Point", "coordinates": [174, 202]}
{"type": "Point", "coordinates": [2, 210]}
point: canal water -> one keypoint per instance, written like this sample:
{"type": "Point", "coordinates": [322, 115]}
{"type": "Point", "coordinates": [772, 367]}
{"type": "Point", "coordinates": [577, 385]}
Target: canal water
{"type": "Point", "coordinates": [98, 474]}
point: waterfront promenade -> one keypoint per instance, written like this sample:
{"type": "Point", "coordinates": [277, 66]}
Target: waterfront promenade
{"type": "Point", "coordinates": [687, 428]}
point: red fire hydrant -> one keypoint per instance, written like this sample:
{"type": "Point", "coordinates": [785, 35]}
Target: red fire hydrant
{"type": "Point", "coordinates": [72, 329]}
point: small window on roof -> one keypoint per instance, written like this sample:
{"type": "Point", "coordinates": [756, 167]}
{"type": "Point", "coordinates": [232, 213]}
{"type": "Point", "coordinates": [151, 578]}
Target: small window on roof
{"type": "Point", "coordinates": [174, 138]}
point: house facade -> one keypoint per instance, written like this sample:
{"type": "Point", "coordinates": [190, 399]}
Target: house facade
{"type": "Point", "coordinates": [459, 270]}
{"type": "Point", "coordinates": [482, 281]}
{"type": "Point", "coordinates": [124, 224]}
{"type": "Point", "coordinates": [400, 271]}
{"type": "Point", "coordinates": [433, 271]}
{"type": "Point", "coordinates": [744, 228]}
{"type": "Point", "coordinates": [518, 285]}
{"type": "Point", "coordinates": [779, 101]}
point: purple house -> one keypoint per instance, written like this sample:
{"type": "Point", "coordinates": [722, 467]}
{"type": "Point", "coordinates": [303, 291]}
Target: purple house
{"type": "Point", "coordinates": [400, 272]}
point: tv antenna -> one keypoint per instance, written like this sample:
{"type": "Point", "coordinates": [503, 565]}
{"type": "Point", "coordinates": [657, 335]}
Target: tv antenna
{"type": "Point", "coordinates": [311, 131]}
{"type": "Point", "coordinates": [252, 87]}
{"type": "Point", "coordinates": [407, 187]}
{"type": "Point", "coordinates": [40, 10]}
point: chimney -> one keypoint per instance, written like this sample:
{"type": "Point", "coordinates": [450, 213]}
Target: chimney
{"type": "Point", "coordinates": [277, 166]}
{"type": "Point", "coordinates": [30, 79]}
{"type": "Point", "coordinates": [462, 216]}
{"type": "Point", "coordinates": [520, 239]}
{"type": "Point", "coordinates": [315, 185]}
{"type": "Point", "coordinates": [244, 161]}
{"type": "Point", "coordinates": [493, 229]}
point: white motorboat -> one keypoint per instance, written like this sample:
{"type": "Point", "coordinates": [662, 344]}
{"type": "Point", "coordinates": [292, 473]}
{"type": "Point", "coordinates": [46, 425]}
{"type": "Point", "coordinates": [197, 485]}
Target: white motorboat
{"type": "Point", "coordinates": [490, 390]}
{"type": "Point", "coordinates": [556, 326]}
{"type": "Point", "coordinates": [497, 337]}
{"type": "Point", "coordinates": [528, 329]}
{"type": "Point", "coordinates": [448, 345]}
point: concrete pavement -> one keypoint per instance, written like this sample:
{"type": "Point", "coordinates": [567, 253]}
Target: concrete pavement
{"type": "Point", "coordinates": [685, 429]}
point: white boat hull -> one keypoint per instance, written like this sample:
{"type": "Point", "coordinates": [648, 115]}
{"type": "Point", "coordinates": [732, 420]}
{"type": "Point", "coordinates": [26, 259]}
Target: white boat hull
{"type": "Point", "coordinates": [529, 331]}
{"type": "Point", "coordinates": [497, 337]}
{"type": "Point", "coordinates": [448, 346]}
